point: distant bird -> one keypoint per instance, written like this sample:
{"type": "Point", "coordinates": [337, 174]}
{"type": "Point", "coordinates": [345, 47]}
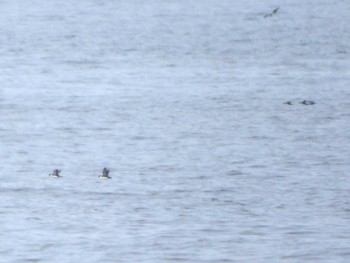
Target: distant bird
{"type": "Point", "coordinates": [105, 174]}
{"type": "Point", "coordinates": [288, 102]}
{"type": "Point", "coordinates": [307, 102]}
{"type": "Point", "coordinates": [272, 13]}
{"type": "Point", "coordinates": [275, 10]}
{"type": "Point", "coordinates": [55, 173]}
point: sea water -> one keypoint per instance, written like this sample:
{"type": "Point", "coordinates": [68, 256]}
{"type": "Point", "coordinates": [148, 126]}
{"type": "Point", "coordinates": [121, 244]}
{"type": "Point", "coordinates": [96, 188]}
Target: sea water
{"type": "Point", "coordinates": [183, 102]}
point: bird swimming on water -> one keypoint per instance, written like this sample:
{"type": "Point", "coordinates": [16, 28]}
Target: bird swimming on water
{"type": "Point", "coordinates": [307, 102]}
{"type": "Point", "coordinates": [105, 174]}
{"type": "Point", "coordinates": [55, 173]}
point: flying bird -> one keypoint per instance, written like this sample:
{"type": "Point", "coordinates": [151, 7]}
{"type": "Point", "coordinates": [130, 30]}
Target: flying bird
{"type": "Point", "coordinates": [272, 13]}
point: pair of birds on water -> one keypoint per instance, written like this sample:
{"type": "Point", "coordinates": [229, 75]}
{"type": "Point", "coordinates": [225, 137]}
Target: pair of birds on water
{"type": "Point", "coordinates": [304, 102]}
{"type": "Point", "coordinates": [105, 174]}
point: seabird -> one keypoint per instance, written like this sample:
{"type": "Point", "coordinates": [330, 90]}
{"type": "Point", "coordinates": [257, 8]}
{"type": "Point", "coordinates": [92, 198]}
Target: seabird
{"type": "Point", "coordinates": [272, 13]}
{"type": "Point", "coordinates": [105, 174]}
{"type": "Point", "coordinates": [55, 173]}
{"type": "Point", "coordinates": [307, 102]}
{"type": "Point", "coordinates": [275, 10]}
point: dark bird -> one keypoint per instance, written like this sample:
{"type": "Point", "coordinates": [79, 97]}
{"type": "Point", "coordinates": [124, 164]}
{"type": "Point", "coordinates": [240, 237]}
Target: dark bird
{"type": "Point", "coordinates": [275, 10]}
{"type": "Point", "coordinates": [105, 174]}
{"type": "Point", "coordinates": [307, 102]}
{"type": "Point", "coordinates": [272, 13]}
{"type": "Point", "coordinates": [55, 173]}
{"type": "Point", "coordinates": [288, 102]}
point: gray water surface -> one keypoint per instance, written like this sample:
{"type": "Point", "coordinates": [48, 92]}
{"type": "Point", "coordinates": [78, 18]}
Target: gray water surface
{"type": "Point", "coordinates": [183, 101]}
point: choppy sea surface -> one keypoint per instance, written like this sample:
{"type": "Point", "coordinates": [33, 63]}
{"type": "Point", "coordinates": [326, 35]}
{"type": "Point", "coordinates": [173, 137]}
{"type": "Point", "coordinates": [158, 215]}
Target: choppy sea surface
{"type": "Point", "coordinates": [183, 102]}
